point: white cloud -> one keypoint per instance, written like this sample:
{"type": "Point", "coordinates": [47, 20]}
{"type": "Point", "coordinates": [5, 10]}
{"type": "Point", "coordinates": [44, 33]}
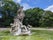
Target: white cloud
{"type": "Point", "coordinates": [17, 1]}
{"type": "Point", "coordinates": [26, 6]}
{"type": "Point", "coordinates": [49, 8]}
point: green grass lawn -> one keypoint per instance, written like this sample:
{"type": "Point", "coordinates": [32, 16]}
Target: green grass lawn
{"type": "Point", "coordinates": [36, 35]}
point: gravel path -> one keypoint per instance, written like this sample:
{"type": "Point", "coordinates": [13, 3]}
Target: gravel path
{"type": "Point", "coordinates": [51, 29]}
{"type": "Point", "coordinates": [2, 29]}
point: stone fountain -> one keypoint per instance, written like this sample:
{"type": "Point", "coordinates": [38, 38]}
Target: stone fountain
{"type": "Point", "coordinates": [17, 28]}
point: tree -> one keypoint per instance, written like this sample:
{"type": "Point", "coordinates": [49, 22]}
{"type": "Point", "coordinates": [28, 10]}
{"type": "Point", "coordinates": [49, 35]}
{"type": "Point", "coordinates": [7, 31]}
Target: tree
{"type": "Point", "coordinates": [38, 17]}
{"type": "Point", "coordinates": [47, 19]}
{"type": "Point", "coordinates": [33, 16]}
{"type": "Point", "coordinates": [8, 11]}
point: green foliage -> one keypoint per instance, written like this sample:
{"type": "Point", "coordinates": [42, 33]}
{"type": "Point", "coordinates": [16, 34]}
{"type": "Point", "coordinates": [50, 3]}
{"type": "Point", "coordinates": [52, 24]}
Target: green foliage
{"type": "Point", "coordinates": [38, 17]}
{"type": "Point", "coordinates": [47, 19]}
{"type": "Point", "coordinates": [8, 11]}
{"type": "Point", "coordinates": [33, 16]}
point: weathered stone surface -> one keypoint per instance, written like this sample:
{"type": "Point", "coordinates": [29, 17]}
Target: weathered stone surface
{"type": "Point", "coordinates": [17, 28]}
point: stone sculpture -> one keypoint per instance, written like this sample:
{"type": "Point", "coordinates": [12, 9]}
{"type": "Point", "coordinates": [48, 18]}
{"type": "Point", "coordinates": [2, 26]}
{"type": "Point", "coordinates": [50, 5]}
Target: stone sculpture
{"type": "Point", "coordinates": [17, 28]}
